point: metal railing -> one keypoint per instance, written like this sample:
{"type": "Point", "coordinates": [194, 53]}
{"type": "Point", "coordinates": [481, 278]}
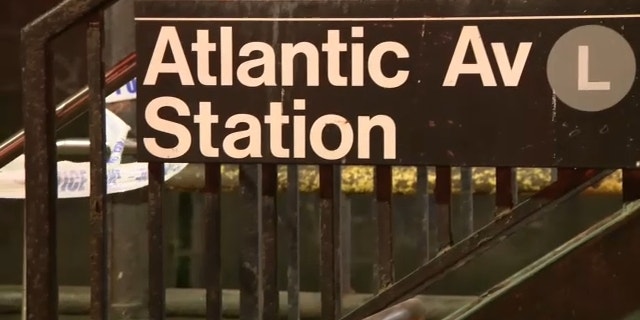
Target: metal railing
{"type": "Point", "coordinates": [72, 107]}
{"type": "Point", "coordinates": [259, 295]}
{"type": "Point", "coordinates": [411, 309]}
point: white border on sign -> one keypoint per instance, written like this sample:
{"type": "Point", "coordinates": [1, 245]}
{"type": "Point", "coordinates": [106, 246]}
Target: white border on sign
{"type": "Point", "coordinates": [604, 16]}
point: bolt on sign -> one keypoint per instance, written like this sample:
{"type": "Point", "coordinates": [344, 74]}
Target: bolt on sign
{"type": "Point", "coordinates": [384, 82]}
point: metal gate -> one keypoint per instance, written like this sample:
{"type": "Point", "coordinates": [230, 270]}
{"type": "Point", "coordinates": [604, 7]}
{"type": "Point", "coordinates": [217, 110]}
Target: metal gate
{"type": "Point", "coordinates": [258, 185]}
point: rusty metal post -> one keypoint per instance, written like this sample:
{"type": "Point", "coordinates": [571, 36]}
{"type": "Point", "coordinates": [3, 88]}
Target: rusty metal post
{"type": "Point", "coordinates": [40, 177]}
{"type": "Point", "coordinates": [384, 268]}
{"type": "Point", "coordinates": [506, 189]}
{"type": "Point", "coordinates": [422, 205]}
{"type": "Point", "coordinates": [270, 240]}
{"type": "Point", "coordinates": [155, 228]}
{"type": "Point", "coordinates": [251, 270]}
{"type": "Point", "coordinates": [292, 228]}
{"type": "Point", "coordinates": [345, 240]}
{"type": "Point", "coordinates": [443, 207]}
{"type": "Point", "coordinates": [212, 213]}
{"type": "Point", "coordinates": [98, 179]}
{"type": "Point", "coordinates": [127, 212]}
{"type": "Point", "coordinates": [343, 205]}
{"type": "Point", "coordinates": [330, 280]}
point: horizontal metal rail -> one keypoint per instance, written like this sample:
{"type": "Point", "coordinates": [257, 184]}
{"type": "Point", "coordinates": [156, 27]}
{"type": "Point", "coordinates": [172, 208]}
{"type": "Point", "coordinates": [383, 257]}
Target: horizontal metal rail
{"type": "Point", "coordinates": [190, 302]}
{"type": "Point", "coordinates": [412, 309]}
{"type": "Point", "coordinates": [80, 147]}
{"type": "Point", "coordinates": [72, 107]}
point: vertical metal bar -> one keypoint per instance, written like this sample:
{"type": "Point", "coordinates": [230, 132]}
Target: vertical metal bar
{"type": "Point", "coordinates": [251, 291]}
{"type": "Point", "coordinates": [385, 265]}
{"type": "Point", "coordinates": [70, 108]}
{"type": "Point", "coordinates": [422, 199]}
{"type": "Point", "coordinates": [41, 175]}
{"type": "Point", "coordinates": [270, 240]}
{"type": "Point", "coordinates": [23, 315]}
{"type": "Point", "coordinates": [98, 180]}
{"type": "Point", "coordinates": [466, 200]}
{"type": "Point", "coordinates": [630, 185]}
{"type": "Point", "coordinates": [156, 242]}
{"type": "Point", "coordinates": [212, 232]}
{"type": "Point", "coordinates": [340, 229]}
{"type": "Point", "coordinates": [199, 235]}
{"type": "Point", "coordinates": [443, 207]}
{"type": "Point", "coordinates": [506, 189]}
{"type": "Point", "coordinates": [330, 284]}
{"type": "Point", "coordinates": [292, 224]}
{"type": "Point", "coordinates": [345, 241]}
{"type": "Point", "coordinates": [127, 213]}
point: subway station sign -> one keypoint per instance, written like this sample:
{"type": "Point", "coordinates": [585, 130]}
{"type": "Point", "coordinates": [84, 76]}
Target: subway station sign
{"type": "Point", "coordinates": [381, 83]}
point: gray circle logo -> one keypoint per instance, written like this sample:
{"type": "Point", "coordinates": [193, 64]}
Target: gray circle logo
{"type": "Point", "coordinates": [591, 68]}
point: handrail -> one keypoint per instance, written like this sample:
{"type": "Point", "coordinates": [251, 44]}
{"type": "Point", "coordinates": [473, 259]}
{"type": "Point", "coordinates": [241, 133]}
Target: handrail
{"type": "Point", "coordinates": [72, 107]}
{"type": "Point", "coordinates": [81, 147]}
{"type": "Point", "coordinates": [411, 309]}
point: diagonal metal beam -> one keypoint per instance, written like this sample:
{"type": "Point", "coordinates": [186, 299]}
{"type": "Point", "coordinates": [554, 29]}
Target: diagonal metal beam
{"type": "Point", "coordinates": [597, 269]}
{"type": "Point", "coordinates": [501, 227]}
{"type": "Point", "coordinates": [72, 107]}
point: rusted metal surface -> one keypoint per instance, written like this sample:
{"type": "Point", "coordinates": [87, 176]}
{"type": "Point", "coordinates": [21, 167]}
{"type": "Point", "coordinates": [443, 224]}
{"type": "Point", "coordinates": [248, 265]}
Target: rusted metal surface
{"type": "Point", "coordinates": [155, 231]}
{"type": "Point", "coordinates": [330, 281]}
{"type": "Point", "coordinates": [40, 178]}
{"type": "Point", "coordinates": [98, 180]}
{"type": "Point", "coordinates": [442, 194]}
{"type": "Point", "coordinates": [506, 189]}
{"type": "Point", "coordinates": [251, 287]}
{"type": "Point", "coordinates": [343, 203]}
{"type": "Point", "coordinates": [345, 241]}
{"type": "Point", "coordinates": [494, 232]}
{"type": "Point", "coordinates": [384, 271]}
{"type": "Point", "coordinates": [212, 232]}
{"type": "Point", "coordinates": [597, 270]}
{"type": "Point", "coordinates": [342, 230]}
{"type": "Point", "coordinates": [292, 228]}
{"type": "Point", "coordinates": [71, 108]}
{"type": "Point", "coordinates": [422, 208]}
{"type": "Point", "coordinates": [270, 240]}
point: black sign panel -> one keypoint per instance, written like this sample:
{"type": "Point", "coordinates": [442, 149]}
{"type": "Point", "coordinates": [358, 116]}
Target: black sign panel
{"type": "Point", "coordinates": [384, 83]}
